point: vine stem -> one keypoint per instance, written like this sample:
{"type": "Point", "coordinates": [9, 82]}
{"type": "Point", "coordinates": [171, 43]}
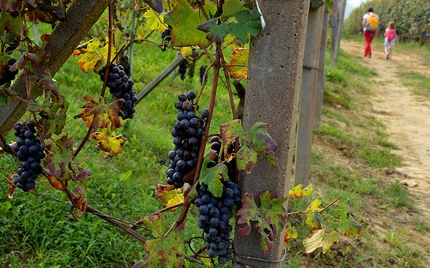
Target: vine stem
{"type": "Point", "coordinates": [137, 224]}
{"type": "Point", "coordinates": [227, 78]}
{"type": "Point", "coordinates": [109, 219]}
{"type": "Point", "coordinates": [216, 66]}
{"type": "Point", "coordinates": [322, 210]}
{"type": "Point", "coordinates": [110, 40]}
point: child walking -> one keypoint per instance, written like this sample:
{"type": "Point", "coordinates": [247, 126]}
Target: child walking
{"type": "Point", "coordinates": [390, 39]}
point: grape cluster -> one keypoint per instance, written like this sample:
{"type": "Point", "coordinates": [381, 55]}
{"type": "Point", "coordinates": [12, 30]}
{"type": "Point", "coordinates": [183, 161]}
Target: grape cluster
{"type": "Point", "coordinates": [186, 132]}
{"type": "Point", "coordinates": [121, 87]}
{"type": "Point", "coordinates": [165, 38]}
{"type": "Point", "coordinates": [182, 69]}
{"type": "Point", "coordinates": [7, 75]}
{"type": "Point", "coordinates": [231, 164]}
{"type": "Point", "coordinates": [202, 71]}
{"type": "Point", "coordinates": [214, 216]}
{"type": "Point", "coordinates": [29, 152]}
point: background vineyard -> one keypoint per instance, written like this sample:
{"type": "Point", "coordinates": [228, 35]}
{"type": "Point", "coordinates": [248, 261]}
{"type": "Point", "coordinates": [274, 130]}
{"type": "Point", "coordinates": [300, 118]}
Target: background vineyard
{"type": "Point", "coordinates": [412, 18]}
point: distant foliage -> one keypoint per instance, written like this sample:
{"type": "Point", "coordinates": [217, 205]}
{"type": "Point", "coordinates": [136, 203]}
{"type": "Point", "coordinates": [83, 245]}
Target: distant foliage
{"type": "Point", "coordinates": [411, 18]}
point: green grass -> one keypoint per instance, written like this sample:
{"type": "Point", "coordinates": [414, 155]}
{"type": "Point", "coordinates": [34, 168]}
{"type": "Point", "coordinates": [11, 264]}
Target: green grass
{"type": "Point", "coordinates": [418, 82]}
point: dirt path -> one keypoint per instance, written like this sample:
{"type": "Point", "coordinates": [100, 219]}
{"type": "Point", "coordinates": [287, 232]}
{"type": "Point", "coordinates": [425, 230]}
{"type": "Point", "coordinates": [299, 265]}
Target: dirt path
{"type": "Point", "coordinates": [406, 116]}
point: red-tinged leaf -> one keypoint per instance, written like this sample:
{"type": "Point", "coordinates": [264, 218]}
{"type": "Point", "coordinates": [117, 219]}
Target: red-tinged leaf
{"type": "Point", "coordinates": [348, 226]}
{"type": "Point", "coordinates": [80, 202]}
{"type": "Point", "coordinates": [54, 182]}
{"type": "Point", "coordinates": [94, 55]}
{"type": "Point", "coordinates": [263, 143]}
{"type": "Point", "coordinates": [168, 195]}
{"type": "Point", "coordinates": [298, 192]}
{"type": "Point", "coordinates": [290, 233]}
{"type": "Point", "coordinates": [156, 5]}
{"type": "Point", "coordinates": [184, 20]}
{"type": "Point", "coordinates": [320, 238]}
{"type": "Point", "coordinates": [239, 63]}
{"type": "Point", "coordinates": [229, 132]}
{"type": "Point", "coordinates": [42, 15]}
{"type": "Point", "coordinates": [267, 218]}
{"type": "Point", "coordinates": [156, 224]}
{"type": "Point", "coordinates": [246, 158]}
{"type": "Point", "coordinates": [101, 115]}
{"type": "Point", "coordinates": [110, 144]}
{"type": "Point", "coordinates": [164, 251]}
{"type": "Point", "coordinates": [59, 158]}
{"type": "Point", "coordinates": [213, 176]}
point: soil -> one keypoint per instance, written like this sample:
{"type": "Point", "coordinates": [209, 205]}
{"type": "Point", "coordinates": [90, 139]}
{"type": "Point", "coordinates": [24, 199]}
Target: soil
{"type": "Point", "coordinates": [407, 120]}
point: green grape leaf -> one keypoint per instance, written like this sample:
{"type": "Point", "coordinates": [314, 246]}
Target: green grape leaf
{"type": "Point", "coordinates": [216, 32]}
{"type": "Point", "coordinates": [164, 251]}
{"type": "Point", "coordinates": [263, 143]}
{"type": "Point", "coordinates": [267, 219]}
{"type": "Point", "coordinates": [156, 5]}
{"type": "Point", "coordinates": [156, 224]}
{"type": "Point", "coordinates": [247, 23]}
{"type": "Point", "coordinates": [313, 216]}
{"type": "Point", "coordinates": [229, 132]}
{"type": "Point", "coordinates": [246, 159]}
{"type": "Point", "coordinates": [212, 176]}
{"type": "Point", "coordinates": [184, 21]}
{"type": "Point", "coordinates": [348, 226]}
{"type": "Point", "coordinates": [231, 7]}
{"type": "Point", "coordinates": [320, 238]}
{"type": "Point", "coordinates": [10, 27]}
{"type": "Point", "coordinates": [101, 115]}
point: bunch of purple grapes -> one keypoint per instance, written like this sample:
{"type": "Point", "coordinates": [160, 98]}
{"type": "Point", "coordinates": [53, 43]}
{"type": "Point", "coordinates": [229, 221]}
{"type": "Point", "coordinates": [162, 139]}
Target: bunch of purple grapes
{"type": "Point", "coordinates": [214, 212]}
{"type": "Point", "coordinates": [165, 38]}
{"type": "Point", "coordinates": [6, 74]}
{"type": "Point", "coordinates": [202, 71]}
{"type": "Point", "coordinates": [29, 152]}
{"type": "Point", "coordinates": [121, 87]}
{"type": "Point", "coordinates": [214, 217]}
{"type": "Point", "coordinates": [186, 132]}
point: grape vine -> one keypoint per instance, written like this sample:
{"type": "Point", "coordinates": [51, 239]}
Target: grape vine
{"type": "Point", "coordinates": [29, 152]}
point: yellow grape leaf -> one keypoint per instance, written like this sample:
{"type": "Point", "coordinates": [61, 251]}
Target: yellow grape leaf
{"type": "Point", "coordinates": [155, 21]}
{"type": "Point", "coordinates": [168, 195]}
{"type": "Point", "coordinates": [298, 192]}
{"type": "Point", "coordinates": [313, 217]}
{"type": "Point", "coordinates": [186, 51]}
{"type": "Point", "coordinates": [93, 55]}
{"type": "Point", "coordinates": [239, 63]}
{"type": "Point", "coordinates": [320, 239]}
{"type": "Point", "coordinates": [290, 232]}
{"type": "Point", "coordinates": [111, 144]}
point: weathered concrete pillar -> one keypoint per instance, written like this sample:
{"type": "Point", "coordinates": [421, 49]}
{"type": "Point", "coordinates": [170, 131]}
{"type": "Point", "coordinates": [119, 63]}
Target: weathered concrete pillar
{"type": "Point", "coordinates": [302, 168]}
{"type": "Point", "coordinates": [274, 75]}
{"type": "Point", "coordinates": [321, 75]}
{"type": "Point", "coordinates": [66, 36]}
{"type": "Point", "coordinates": [334, 24]}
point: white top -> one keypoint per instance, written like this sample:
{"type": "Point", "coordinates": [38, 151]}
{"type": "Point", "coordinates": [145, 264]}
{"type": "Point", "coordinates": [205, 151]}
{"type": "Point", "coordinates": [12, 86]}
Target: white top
{"type": "Point", "coordinates": [365, 18]}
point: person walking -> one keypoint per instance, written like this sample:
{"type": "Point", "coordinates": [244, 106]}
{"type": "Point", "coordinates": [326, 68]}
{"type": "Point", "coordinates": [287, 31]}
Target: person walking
{"type": "Point", "coordinates": [370, 23]}
{"type": "Point", "coordinates": [390, 39]}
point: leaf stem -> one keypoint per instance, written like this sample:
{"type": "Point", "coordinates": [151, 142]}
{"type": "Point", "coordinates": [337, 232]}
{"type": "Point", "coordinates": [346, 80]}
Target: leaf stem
{"type": "Point", "coordinates": [137, 224]}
